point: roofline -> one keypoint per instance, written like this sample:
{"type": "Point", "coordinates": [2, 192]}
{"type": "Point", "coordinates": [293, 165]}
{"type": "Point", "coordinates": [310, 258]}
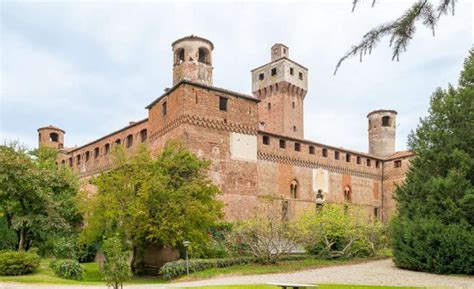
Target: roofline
{"type": "Point", "coordinates": [192, 37]}
{"type": "Point", "coordinates": [284, 57]}
{"type": "Point", "coordinates": [109, 135]}
{"type": "Point", "coordinates": [383, 110]}
{"type": "Point", "coordinates": [51, 127]}
{"type": "Point", "coordinates": [200, 85]}
{"type": "Point", "coordinates": [280, 44]}
{"type": "Point", "coordinates": [408, 155]}
{"type": "Point", "coordinates": [320, 144]}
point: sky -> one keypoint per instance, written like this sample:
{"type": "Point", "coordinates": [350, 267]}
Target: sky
{"type": "Point", "coordinates": [91, 67]}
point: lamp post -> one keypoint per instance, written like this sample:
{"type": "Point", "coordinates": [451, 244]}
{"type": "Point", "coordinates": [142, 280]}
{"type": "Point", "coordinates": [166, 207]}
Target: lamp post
{"type": "Point", "coordinates": [186, 245]}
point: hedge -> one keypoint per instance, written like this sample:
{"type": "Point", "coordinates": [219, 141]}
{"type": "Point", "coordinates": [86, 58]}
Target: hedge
{"type": "Point", "coordinates": [177, 268]}
{"type": "Point", "coordinates": [67, 269]}
{"type": "Point", "coordinates": [18, 263]}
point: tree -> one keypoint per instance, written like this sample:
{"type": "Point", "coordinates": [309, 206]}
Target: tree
{"type": "Point", "coordinates": [116, 268]}
{"type": "Point", "coordinates": [159, 202]}
{"type": "Point", "coordinates": [434, 228]}
{"type": "Point", "coordinates": [267, 236]}
{"type": "Point", "coordinates": [400, 30]}
{"type": "Point", "coordinates": [336, 231]}
{"type": "Point", "coordinates": [36, 196]}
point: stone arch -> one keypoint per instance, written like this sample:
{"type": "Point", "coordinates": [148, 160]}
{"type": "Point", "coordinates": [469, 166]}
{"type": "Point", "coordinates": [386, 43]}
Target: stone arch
{"type": "Point", "coordinates": [54, 137]}
{"type": "Point", "coordinates": [294, 189]}
{"type": "Point", "coordinates": [179, 56]}
{"type": "Point", "coordinates": [204, 55]}
{"type": "Point", "coordinates": [347, 194]}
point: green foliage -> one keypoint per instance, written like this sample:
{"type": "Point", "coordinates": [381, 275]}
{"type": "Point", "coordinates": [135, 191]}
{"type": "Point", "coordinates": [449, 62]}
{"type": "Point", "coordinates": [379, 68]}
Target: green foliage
{"type": "Point", "coordinates": [67, 269]}
{"type": "Point", "coordinates": [218, 246]}
{"type": "Point", "coordinates": [436, 202]}
{"type": "Point", "coordinates": [146, 201]}
{"type": "Point", "coordinates": [8, 238]}
{"type": "Point", "coordinates": [116, 268]}
{"type": "Point", "coordinates": [36, 197]}
{"type": "Point", "coordinates": [401, 30]}
{"type": "Point", "coordinates": [18, 263]}
{"type": "Point", "coordinates": [336, 231]}
{"type": "Point", "coordinates": [65, 248]}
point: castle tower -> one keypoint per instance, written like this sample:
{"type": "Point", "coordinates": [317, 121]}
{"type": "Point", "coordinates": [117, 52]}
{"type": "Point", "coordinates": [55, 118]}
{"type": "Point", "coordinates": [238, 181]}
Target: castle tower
{"type": "Point", "coordinates": [382, 130]}
{"type": "Point", "coordinates": [281, 85]}
{"type": "Point", "coordinates": [51, 136]}
{"type": "Point", "coordinates": [192, 60]}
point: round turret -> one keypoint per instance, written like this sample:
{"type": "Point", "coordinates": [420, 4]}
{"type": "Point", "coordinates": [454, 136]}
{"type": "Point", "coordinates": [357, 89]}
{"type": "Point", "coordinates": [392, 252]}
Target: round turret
{"type": "Point", "coordinates": [51, 136]}
{"type": "Point", "coordinates": [382, 131]}
{"type": "Point", "coordinates": [192, 60]}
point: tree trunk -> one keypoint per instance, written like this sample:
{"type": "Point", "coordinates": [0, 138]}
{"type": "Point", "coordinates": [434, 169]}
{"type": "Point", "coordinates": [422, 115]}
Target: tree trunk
{"type": "Point", "coordinates": [22, 241]}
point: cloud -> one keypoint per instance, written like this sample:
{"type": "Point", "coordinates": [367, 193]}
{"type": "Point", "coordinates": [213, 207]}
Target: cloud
{"type": "Point", "coordinates": [90, 68]}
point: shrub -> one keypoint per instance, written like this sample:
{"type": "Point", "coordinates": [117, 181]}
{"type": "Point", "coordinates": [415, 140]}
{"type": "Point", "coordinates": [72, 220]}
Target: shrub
{"type": "Point", "coordinates": [67, 269]}
{"type": "Point", "coordinates": [65, 248]}
{"type": "Point", "coordinates": [18, 263]}
{"type": "Point", "coordinates": [116, 268]}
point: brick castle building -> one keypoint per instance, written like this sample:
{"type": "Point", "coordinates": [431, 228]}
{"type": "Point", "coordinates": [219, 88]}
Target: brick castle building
{"type": "Point", "coordinates": [255, 142]}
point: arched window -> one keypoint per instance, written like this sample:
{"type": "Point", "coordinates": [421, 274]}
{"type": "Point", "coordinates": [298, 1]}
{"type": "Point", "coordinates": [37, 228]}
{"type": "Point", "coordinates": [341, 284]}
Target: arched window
{"type": "Point", "coordinates": [54, 137]}
{"type": "Point", "coordinates": [386, 121]}
{"type": "Point", "coordinates": [118, 141]}
{"type": "Point", "coordinates": [347, 194]}
{"type": "Point", "coordinates": [143, 135]}
{"type": "Point", "coordinates": [106, 148]}
{"type": "Point", "coordinates": [129, 141]}
{"type": "Point", "coordinates": [96, 153]}
{"type": "Point", "coordinates": [203, 55]}
{"type": "Point", "coordinates": [179, 56]}
{"type": "Point", "coordinates": [294, 189]}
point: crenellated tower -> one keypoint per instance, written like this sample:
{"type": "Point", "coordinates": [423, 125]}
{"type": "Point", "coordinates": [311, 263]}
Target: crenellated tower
{"type": "Point", "coordinates": [382, 132]}
{"type": "Point", "coordinates": [192, 60]}
{"type": "Point", "coordinates": [281, 86]}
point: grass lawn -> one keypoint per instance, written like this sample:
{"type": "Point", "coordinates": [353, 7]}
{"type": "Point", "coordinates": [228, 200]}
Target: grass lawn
{"type": "Point", "coordinates": [92, 276]}
{"type": "Point", "coordinates": [284, 266]}
{"type": "Point", "coordinates": [321, 286]}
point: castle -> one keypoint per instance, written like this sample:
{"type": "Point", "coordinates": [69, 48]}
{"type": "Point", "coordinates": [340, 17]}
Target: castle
{"type": "Point", "coordinates": [255, 142]}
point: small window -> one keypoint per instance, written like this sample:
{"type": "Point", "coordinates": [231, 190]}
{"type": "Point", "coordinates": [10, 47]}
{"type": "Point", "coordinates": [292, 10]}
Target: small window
{"type": "Point", "coordinates": [348, 158]}
{"type": "Point", "coordinates": [358, 160]}
{"type": "Point", "coordinates": [376, 213]}
{"type": "Point", "coordinates": [118, 142]}
{"type": "Point", "coordinates": [294, 128]}
{"type": "Point", "coordinates": [96, 153]}
{"type": "Point", "coordinates": [300, 75]}
{"type": "Point", "coordinates": [297, 146]}
{"type": "Point", "coordinates": [222, 103]}
{"type": "Point", "coordinates": [53, 137]}
{"type": "Point", "coordinates": [293, 104]}
{"type": "Point", "coordinates": [164, 109]}
{"type": "Point", "coordinates": [397, 164]}
{"type": "Point", "coordinates": [284, 211]}
{"type": "Point", "coordinates": [386, 121]}
{"type": "Point", "coordinates": [377, 164]}
{"type": "Point", "coordinates": [87, 156]}
{"type": "Point", "coordinates": [106, 148]}
{"type": "Point", "coordinates": [70, 162]}
{"type": "Point", "coordinates": [292, 71]}
{"type": "Point", "coordinates": [129, 141]}
{"type": "Point", "coordinates": [336, 155]}
{"type": "Point", "coordinates": [143, 135]}
{"type": "Point", "coordinates": [78, 160]}
{"type": "Point", "coordinates": [284, 50]}
{"type": "Point", "coordinates": [179, 56]}
{"type": "Point", "coordinates": [311, 150]}
{"type": "Point", "coordinates": [274, 71]}
{"type": "Point", "coordinates": [261, 76]}
{"type": "Point", "coordinates": [63, 162]}
{"type": "Point", "coordinates": [282, 144]}
{"type": "Point", "coordinates": [269, 106]}
{"type": "Point", "coordinates": [294, 189]}
{"type": "Point", "coordinates": [266, 140]}
{"type": "Point", "coordinates": [368, 162]}
{"type": "Point", "coordinates": [347, 194]}
{"type": "Point", "coordinates": [203, 55]}
{"type": "Point", "coordinates": [325, 153]}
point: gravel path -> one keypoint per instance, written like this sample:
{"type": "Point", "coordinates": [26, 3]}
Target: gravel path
{"type": "Point", "coordinates": [381, 272]}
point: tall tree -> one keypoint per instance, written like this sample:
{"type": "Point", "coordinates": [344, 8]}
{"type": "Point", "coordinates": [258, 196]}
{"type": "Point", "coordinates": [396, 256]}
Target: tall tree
{"type": "Point", "coordinates": [36, 196]}
{"type": "Point", "coordinates": [435, 226]}
{"type": "Point", "coordinates": [401, 30]}
{"type": "Point", "coordinates": [147, 201]}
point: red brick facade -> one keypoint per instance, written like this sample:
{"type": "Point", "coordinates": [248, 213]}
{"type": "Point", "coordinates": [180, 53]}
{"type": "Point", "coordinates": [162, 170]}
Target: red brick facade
{"type": "Point", "coordinates": [255, 151]}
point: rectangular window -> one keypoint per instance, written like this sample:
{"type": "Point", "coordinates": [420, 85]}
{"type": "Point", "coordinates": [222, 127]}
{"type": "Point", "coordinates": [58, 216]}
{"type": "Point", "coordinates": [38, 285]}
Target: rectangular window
{"type": "Point", "coordinates": [291, 71]}
{"type": "Point", "coordinates": [297, 147]}
{"type": "Point", "coordinates": [376, 213]}
{"type": "Point", "coordinates": [222, 103]}
{"type": "Point", "coordinates": [348, 158]}
{"type": "Point", "coordinates": [96, 153]}
{"type": "Point", "coordinates": [261, 76]}
{"type": "Point", "coordinates": [274, 71]}
{"type": "Point", "coordinates": [282, 144]}
{"type": "Point", "coordinates": [397, 164]}
{"type": "Point", "coordinates": [368, 162]}
{"type": "Point", "coordinates": [377, 164]}
{"type": "Point", "coordinates": [358, 160]}
{"type": "Point", "coordinates": [266, 140]}
{"type": "Point", "coordinates": [311, 150]}
{"type": "Point", "coordinates": [164, 109]}
{"type": "Point", "coordinates": [325, 153]}
{"type": "Point", "coordinates": [336, 155]}
{"type": "Point", "coordinates": [301, 75]}
{"type": "Point", "coordinates": [87, 156]}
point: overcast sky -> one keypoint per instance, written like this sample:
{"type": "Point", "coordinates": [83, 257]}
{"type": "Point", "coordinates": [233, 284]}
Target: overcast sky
{"type": "Point", "coordinates": [90, 68]}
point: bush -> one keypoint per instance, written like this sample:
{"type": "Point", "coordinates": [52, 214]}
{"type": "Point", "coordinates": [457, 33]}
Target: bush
{"type": "Point", "coordinates": [116, 268]}
{"type": "Point", "coordinates": [18, 263]}
{"type": "Point", "coordinates": [67, 269]}
{"type": "Point", "coordinates": [65, 248]}
{"type": "Point", "coordinates": [429, 245]}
